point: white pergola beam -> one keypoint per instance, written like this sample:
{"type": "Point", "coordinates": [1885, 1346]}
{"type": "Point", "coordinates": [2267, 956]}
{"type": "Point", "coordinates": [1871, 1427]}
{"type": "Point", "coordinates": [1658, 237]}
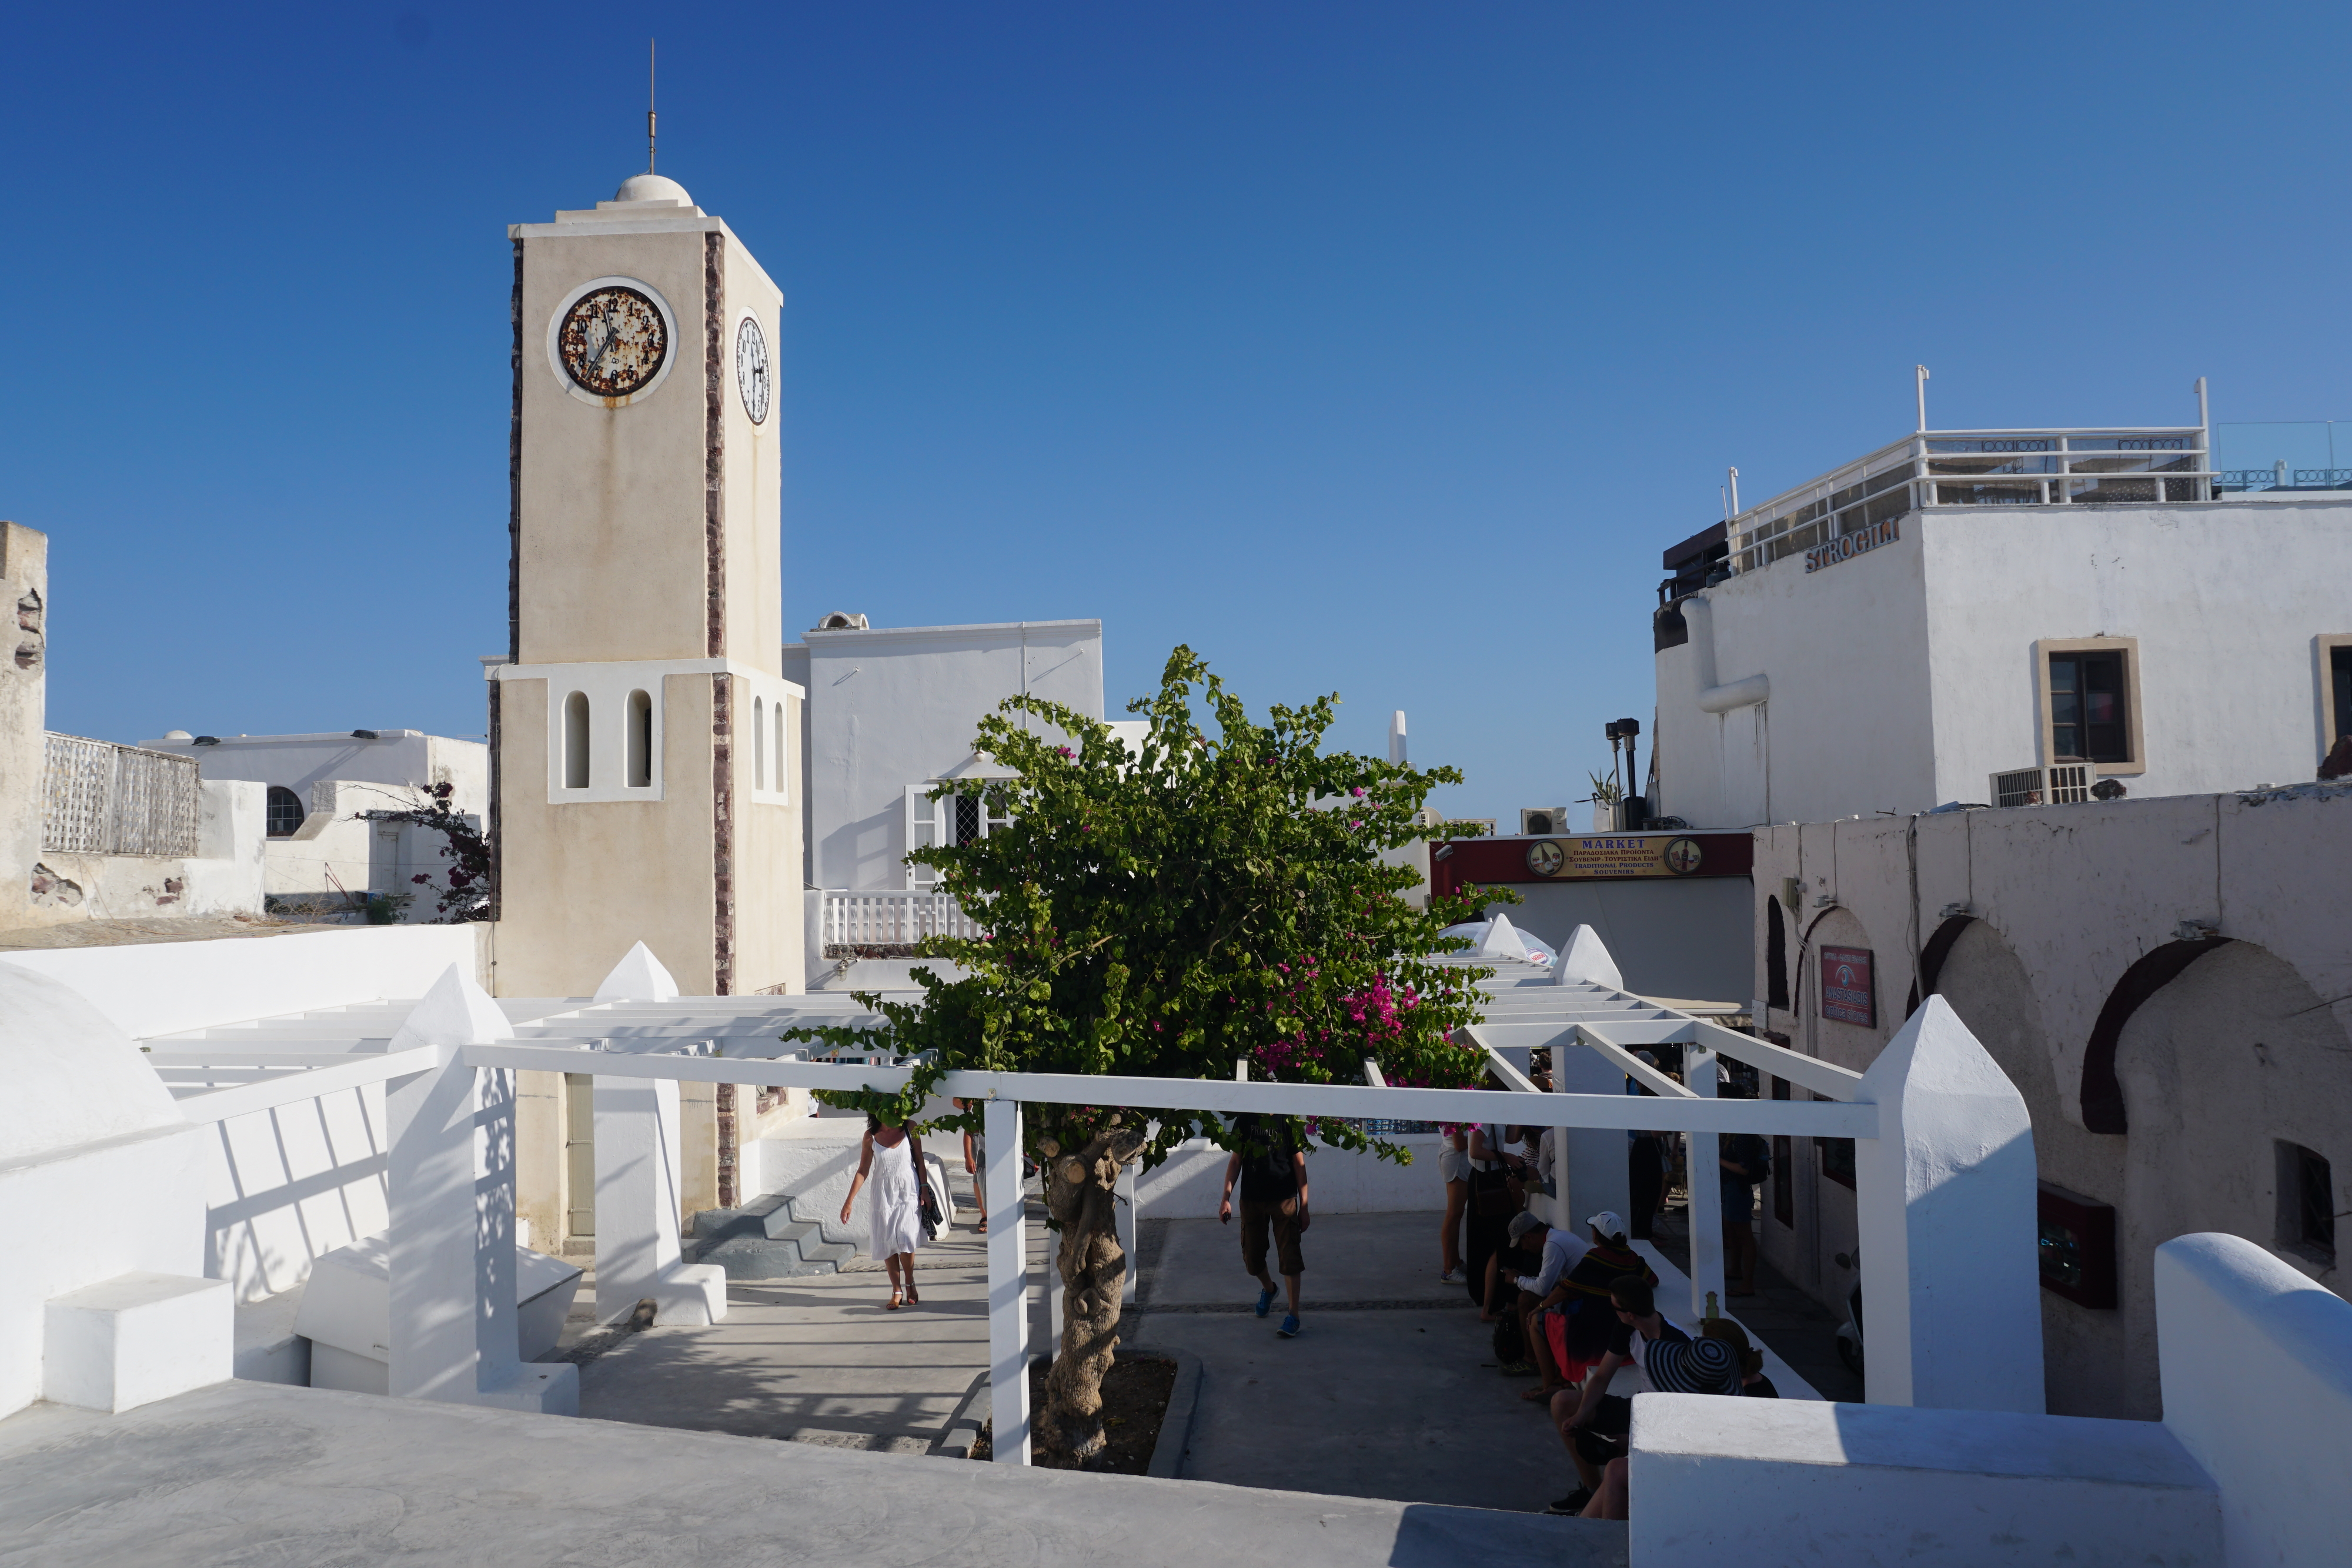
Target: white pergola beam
{"type": "Point", "coordinates": [1800, 1118]}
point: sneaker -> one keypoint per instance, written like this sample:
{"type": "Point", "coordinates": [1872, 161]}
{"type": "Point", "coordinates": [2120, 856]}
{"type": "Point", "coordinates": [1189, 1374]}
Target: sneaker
{"type": "Point", "coordinates": [1572, 1504]}
{"type": "Point", "coordinates": [1452, 1277]}
{"type": "Point", "coordinates": [1518, 1369]}
{"type": "Point", "coordinates": [1265, 1300]}
{"type": "Point", "coordinates": [1290, 1329]}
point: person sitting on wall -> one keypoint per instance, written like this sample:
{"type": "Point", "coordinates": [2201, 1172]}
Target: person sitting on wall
{"type": "Point", "coordinates": [1579, 1322]}
{"type": "Point", "coordinates": [1534, 1269]}
{"type": "Point", "coordinates": [1594, 1424]}
{"type": "Point", "coordinates": [1753, 1383]}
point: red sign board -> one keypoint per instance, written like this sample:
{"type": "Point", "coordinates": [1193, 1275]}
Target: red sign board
{"type": "Point", "coordinates": [1846, 993]}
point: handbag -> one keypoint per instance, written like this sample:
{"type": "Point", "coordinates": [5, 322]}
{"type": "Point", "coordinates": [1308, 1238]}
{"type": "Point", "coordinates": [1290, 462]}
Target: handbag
{"type": "Point", "coordinates": [927, 1202]}
{"type": "Point", "coordinates": [1490, 1193]}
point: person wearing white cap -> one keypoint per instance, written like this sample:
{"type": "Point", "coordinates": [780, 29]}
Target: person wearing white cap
{"type": "Point", "coordinates": [1569, 1329]}
{"type": "Point", "coordinates": [1556, 1252]}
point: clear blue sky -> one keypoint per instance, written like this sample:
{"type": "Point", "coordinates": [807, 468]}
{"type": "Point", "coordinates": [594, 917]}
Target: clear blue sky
{"type": "Point", "coordinates": [1366, 348]}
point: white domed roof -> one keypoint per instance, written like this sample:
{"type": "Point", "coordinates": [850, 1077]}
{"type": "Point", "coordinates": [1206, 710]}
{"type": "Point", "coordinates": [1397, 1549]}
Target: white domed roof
{"type": "Point", "coordinates": [652, 188]}
{"type": "Point", "coordinates": [72, 1076]}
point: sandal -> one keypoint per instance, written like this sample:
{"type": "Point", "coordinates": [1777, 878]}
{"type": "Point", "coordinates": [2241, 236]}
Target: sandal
{"type": "Point", "coordinates": [982, 1228]}
{"type": "Point", "coordinates": [1534, 1396]}
{"type": "Point", "coordinates": [895, 1298]}
{"type": "Point", "coordinates": [914, 1298]}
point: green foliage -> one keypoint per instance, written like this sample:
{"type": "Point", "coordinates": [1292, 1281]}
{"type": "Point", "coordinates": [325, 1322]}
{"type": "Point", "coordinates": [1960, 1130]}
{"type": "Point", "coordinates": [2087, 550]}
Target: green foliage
{"type": "Point", "coordinates": [1220, 895]}
{"type": "Point", "coordinates": [1604, 791]}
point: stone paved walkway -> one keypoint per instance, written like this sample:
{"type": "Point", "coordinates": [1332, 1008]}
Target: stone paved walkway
{"type": "Point", "coordinates": [1391, 1391]}
{"type": "Point", "coordinates": [819, 1358]}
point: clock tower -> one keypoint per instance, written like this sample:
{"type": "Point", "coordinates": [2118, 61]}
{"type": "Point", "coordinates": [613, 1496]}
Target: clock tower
{"type": "Point", "coordinates": [642, 732]}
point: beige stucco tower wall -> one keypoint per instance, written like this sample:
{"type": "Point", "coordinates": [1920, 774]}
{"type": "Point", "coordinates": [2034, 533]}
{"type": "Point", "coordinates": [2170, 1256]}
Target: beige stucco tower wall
{"type": "Point", "coordinates": [646, 594]}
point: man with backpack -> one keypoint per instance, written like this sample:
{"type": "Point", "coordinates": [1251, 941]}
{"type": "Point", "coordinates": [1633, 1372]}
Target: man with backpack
{"type": "Point", "coordinates": [1271, 1170]}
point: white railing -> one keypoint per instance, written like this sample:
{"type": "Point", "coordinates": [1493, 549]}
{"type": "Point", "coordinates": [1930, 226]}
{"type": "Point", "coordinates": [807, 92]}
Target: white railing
{"type": "Point", "coordinates": [891, 919]}
{"type": "Point", "coordinates": [101, 799]}
{"type": "Point", "coordinates": [1976, 468]}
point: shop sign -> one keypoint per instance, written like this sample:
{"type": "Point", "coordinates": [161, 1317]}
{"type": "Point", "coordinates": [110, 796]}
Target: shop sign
{"type": "Point", "coordinates": [1846, 993]}
{"type": "Point", "coordinates": [1604, 855]}
{"type": "Point", "coordinates": [1845, 547]}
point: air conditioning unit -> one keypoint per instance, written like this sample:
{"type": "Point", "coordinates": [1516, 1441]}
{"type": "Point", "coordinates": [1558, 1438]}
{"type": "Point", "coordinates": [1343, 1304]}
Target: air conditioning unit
{"type": "Point", "coordinates": [2060, 785]}
{"type": "Point", "coordinates": [1544, 821]}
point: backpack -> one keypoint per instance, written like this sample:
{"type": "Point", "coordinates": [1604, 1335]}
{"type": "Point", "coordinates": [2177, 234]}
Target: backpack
{"type": "Point", "coordinates": [1510, 1342]}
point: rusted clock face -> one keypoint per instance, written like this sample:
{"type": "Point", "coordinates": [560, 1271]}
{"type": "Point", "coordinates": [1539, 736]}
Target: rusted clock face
{"type": "Point", "coordinates": [611, 341]}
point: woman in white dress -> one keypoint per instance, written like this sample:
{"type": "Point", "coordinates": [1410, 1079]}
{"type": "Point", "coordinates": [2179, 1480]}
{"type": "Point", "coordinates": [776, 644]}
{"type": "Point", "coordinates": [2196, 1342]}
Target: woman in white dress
{"type": "Point", "coordinates": [894, 1221]}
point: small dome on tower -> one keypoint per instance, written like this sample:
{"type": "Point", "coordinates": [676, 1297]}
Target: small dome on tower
{"type": "Point", "coordinates": [652, 188]}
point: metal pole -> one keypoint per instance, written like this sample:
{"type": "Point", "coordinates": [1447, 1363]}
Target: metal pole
{"type": "Point", "coordinates": [2204, 442]}
{"type": "Point", "coordinates": [1735, 490]}
{"type": "Point", "coordinates": [1008, 1285]}
{"type": "Point", "coordinates": [1921, 383]}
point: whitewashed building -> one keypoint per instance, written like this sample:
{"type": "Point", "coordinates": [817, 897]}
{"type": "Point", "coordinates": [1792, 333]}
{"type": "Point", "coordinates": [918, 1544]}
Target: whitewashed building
{"type": "Point", "coordinates": [90, 829]}
{"type": "Point", "coordinates": [890, 716]}
{"type": "Point", "coordinates": [1999, 616]}
{"type": "Point", "coordinates": [329, 850]}
{"type": "Point", "coordinates": [2167, 982]}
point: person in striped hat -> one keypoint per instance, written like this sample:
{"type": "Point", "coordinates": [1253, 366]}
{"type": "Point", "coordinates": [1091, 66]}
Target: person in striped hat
{"type": "Point", "coordinates": [1594, 1424]}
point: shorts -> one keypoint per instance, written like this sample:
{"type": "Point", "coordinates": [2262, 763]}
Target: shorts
{"type": "Point", "coordinates": [1453, 1165]}
{"type": "Point", "coordinates": [1281, 1217]}
{"type": "Point", "coordinates": [1572, 1368]}
{"type": "Point", "coordinates": [1738, 1203]}
{"type": "Point", "coordinates": [1604, 1438]}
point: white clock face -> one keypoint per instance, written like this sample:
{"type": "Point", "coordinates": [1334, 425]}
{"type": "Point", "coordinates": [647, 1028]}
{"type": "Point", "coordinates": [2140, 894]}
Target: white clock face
{"type": "Point", "coordinates": [752, 378]}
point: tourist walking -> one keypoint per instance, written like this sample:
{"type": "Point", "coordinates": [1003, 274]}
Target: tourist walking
{"type": "Point", "coordinates": [1271, 1170]}
{"type": "Point", "coordinates": [975, 1164]}
{"type": "Point", "coordinates": [1453, 1170]}
{"type": "Point", "coordinates": [892, 1158]}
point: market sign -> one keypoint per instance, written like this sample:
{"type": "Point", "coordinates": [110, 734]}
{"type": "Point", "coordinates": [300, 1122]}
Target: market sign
{"type": "Point", "coordinates": [1845, 547]}
{"type": "Point", "coordinates": [1615, 856]}
{"type": "Point", "coordinates": [1846, 993]}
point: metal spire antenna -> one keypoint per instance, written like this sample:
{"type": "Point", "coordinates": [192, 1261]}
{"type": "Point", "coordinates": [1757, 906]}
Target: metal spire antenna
{"type": "Point", "coordinates": [649, 106]}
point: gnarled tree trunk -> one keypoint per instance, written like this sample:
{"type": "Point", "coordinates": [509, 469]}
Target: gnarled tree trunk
{"type": "Point", "coordinates": [1080, 1194]}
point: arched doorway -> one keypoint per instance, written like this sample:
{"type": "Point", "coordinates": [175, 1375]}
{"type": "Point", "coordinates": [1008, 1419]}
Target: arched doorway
{"type": "Point", "coordinates": [1981, 976]}
{"type": "Point", "coordinates": [2234, 1062]}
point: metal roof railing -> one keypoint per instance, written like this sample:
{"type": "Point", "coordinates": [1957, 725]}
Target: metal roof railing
{"type": "Point", "coordinates": [1976, 469]}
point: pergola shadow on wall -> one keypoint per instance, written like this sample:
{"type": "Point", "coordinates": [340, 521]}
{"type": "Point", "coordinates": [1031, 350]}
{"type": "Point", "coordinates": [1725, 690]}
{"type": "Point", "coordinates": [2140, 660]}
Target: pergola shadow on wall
{"type": "Point", "coordinates": [1945, 1162]}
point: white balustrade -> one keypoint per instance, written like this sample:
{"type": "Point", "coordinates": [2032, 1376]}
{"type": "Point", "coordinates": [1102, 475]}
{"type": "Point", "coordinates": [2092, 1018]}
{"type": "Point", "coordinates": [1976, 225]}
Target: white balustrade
{"type": "Point", "coordinates": [892, 918]}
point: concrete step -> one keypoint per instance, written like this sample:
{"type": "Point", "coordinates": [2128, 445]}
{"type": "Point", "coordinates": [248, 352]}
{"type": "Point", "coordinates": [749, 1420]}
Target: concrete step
{"type": "Point", "coordinates": [763, 1241]}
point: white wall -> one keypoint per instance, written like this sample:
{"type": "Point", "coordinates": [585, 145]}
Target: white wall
{"type": "Point", "coordinates": [2269, 1416]}
{"type": "Point", "coordinates": [1688, 939]}
{"type": "Point", "coordinates": [1903, 677]}
{"type": "Point", "coordinates": [2224, 598]}
{"type": "Point", "coordinates": [224, 877]}
{"type": "Point", "coordinates": [2251, 1043]}
{"type": "Point", "coordinates": [168, 986]}
{"type": "Point", "coordinates": [1846, 728]}
{"type": "Point", "coordinates": [283, 1188]}
{"type": "Point", "coordinates": [399, 758]}
{"type": "Point", "coordinates": [891, 707]}
{"type": "Point", "coordinates": [1713, 1478]}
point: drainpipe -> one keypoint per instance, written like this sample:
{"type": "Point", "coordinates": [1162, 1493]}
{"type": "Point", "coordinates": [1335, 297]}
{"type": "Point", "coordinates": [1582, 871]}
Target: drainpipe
{"type": "Point", "coordinates": [1716, 696]}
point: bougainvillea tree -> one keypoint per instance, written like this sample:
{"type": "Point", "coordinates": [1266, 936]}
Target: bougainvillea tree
{"type": "Point", "coordinates": [1217, 896]}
